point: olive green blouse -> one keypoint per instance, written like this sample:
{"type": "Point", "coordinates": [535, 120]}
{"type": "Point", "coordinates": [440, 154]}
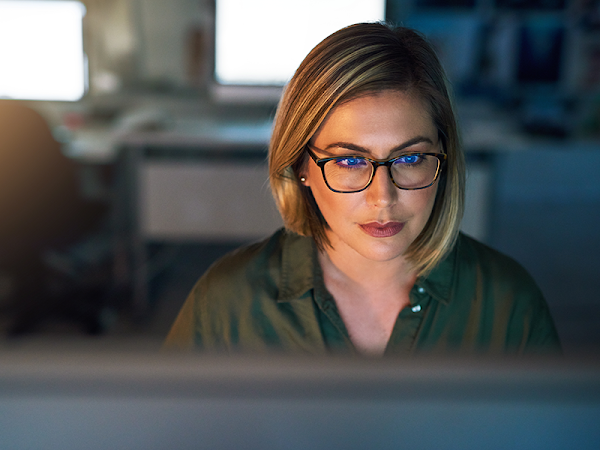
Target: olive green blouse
{"type": "Point", "coordinates": [271, 296]}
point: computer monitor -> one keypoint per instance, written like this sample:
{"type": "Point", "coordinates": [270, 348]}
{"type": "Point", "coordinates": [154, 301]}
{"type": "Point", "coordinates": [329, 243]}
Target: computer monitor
{"type": "Point", "coordinates": [41, 50]}
{"type": "Point", "coordinates": [104, 401]}
{"type": "Point", "coordinates": [259, 44]}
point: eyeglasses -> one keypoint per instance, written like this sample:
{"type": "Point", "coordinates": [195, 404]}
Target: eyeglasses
{"type": "Point", "coordinates": [409, 171]}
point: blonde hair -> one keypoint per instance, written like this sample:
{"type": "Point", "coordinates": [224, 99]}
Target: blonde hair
{"type": "Point", "coordinates": [359, 60]}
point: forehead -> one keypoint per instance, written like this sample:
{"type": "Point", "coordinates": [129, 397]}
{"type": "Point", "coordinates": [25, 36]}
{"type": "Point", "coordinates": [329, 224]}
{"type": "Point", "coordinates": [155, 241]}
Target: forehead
{"type": "Point", "coordinates": [391, 115]}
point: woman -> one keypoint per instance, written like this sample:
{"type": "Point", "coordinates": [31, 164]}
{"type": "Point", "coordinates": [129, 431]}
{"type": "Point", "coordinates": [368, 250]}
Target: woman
{"type": "Point", "coordinates": [371, 259]}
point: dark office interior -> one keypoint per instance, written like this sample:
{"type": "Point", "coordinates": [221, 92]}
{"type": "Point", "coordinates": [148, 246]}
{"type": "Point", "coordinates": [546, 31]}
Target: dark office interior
{"type": "Point", "coordinates": [525, 78]}
{"type": "Point", "coordinates": [117, 194]}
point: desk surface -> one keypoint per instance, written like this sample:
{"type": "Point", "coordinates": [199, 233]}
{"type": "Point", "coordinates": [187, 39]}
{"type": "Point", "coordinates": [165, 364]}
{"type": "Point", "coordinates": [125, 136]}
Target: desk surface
{"type": "Point", "coordinates": [102, 144]}
{"type": "Point", "coordinates": [199, 132]}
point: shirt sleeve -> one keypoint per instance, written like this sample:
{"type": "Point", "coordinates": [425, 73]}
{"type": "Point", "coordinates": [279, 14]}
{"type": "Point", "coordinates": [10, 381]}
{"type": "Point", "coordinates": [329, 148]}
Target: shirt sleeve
{"type": "Point", "coordinates": [507, 309]}
{"type": "Point", "coordinates": [543, 336]}
{"type": "Point", "coordinates": [181, 335]}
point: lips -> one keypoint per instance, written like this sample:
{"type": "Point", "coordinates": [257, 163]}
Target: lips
{"type": "Point", "coordinates": [378, 230]}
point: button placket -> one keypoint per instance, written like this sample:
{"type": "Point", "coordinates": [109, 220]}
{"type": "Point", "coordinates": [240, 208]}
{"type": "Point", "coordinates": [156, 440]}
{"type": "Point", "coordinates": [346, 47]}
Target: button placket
{"type": "Point", "coordinates": [417, 308]}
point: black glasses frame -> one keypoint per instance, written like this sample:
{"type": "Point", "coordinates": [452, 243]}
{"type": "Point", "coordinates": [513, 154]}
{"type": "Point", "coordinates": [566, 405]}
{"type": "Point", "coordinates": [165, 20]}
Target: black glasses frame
{"type": "Point", "coordinates": [375, 164]}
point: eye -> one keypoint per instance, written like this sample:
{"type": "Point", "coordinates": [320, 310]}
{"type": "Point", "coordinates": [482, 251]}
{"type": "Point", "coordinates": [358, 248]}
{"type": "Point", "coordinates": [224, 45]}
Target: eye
{"type": "Point", "coordinates": [351, 162]}
{"type": "Point", "coordinates": [409, 159]}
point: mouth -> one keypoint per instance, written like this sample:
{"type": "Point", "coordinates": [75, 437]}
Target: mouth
{"type": "Point", "coordinates": [378, 230]}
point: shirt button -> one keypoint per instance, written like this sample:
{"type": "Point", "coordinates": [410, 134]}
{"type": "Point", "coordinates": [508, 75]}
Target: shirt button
{"type": "Point", "coordinates": [421, 290]}
{"type": "Point", "coordinates": [416, 308]}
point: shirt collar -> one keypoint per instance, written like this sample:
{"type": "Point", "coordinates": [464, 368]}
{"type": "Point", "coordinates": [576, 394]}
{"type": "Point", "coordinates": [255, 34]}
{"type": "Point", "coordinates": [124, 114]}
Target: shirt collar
{"type": "Point", "coordinates": [438, 283]}
{"type": "Point", "coordinates": [299, 256]}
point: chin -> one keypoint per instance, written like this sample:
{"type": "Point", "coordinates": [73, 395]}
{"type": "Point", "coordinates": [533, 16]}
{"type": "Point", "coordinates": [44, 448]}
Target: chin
{"type": "Point", "coordinates": [373, 249]}
{"type": "Point", "coordinates": [383, 253]}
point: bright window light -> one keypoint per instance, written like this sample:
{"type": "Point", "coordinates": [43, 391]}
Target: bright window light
{"type": "Point", "coordinates": [41, 50]}
{"type": "Point", "coordinates": [263, 41]}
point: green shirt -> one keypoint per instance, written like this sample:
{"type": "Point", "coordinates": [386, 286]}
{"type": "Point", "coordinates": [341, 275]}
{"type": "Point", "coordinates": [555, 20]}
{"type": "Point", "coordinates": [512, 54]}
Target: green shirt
{"type": "Point", "coordinates": [271, 296]}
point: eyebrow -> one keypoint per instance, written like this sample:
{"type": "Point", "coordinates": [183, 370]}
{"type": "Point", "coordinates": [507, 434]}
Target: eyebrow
{"type": "Point", "coordinates": [357, 148]}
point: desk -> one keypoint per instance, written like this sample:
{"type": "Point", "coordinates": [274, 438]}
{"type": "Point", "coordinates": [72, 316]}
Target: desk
{"type": "Point", "coordinates": [200, 180]}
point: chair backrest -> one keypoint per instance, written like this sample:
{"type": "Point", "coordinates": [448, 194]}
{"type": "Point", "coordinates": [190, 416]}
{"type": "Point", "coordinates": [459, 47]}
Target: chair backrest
{"type": "Point", "coordinates": [38, 184]}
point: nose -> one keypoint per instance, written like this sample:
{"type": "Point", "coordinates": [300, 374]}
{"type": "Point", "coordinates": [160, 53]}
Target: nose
{"type": "Point", "coordinates": [382, 192]}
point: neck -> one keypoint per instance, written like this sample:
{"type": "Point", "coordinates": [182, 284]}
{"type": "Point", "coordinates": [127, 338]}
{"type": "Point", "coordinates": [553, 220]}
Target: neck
{"type": "Point", "coordinates": [369, 294]}
{"type": "Point", "coordinates": [343, 264]}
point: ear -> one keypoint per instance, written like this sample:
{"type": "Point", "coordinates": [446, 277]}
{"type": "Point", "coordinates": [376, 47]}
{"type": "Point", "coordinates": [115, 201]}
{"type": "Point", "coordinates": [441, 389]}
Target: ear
{"type": "Point", "coordinates": [303, 175]}
{"type": "Point", "coordinates": [302, 171]}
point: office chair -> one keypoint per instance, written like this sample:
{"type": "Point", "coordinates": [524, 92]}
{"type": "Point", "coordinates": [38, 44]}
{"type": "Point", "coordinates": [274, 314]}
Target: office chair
{"type": "Point", "coordinates": [40, 209]}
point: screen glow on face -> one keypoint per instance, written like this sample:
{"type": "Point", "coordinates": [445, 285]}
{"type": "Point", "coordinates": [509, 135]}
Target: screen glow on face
{"type": "Point", "coordinates": [262, 42]}
{"type": "Point", "coordinates": [41, 50]}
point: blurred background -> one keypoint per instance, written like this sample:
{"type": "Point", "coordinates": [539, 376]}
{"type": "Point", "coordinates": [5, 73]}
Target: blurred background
{"type": "Point", "coordinates": [134, 133]}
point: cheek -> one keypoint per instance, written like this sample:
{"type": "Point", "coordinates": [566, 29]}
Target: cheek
{"type": "Point", "coordinates": [314, 179]}
{"type": "Point", "coordinates": [333, 206]}
{"type": "Point", "coordinates": [322, 194]}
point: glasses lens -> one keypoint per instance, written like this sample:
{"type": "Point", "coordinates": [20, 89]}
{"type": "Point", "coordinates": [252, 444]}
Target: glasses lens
{"type": "Point", "coordinates": [415, 170]}
{"type": "Point", "coordinates": [411, 171]}
{"type": "Point", "coordinates": [347, 174]}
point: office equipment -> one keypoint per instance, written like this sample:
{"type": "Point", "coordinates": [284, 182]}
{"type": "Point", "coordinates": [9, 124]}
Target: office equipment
{"type": "Point", "coordinates": [71, 400]}
{"type": "Point", "coordinates": [41, 49]}
{"type": "Point", "coordinates": [259, 44]}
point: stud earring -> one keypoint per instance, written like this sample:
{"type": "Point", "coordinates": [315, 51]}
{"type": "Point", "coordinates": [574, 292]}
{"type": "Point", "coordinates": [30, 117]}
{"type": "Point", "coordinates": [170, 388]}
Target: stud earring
{"type": "Point", "coordinates": [303, 179]}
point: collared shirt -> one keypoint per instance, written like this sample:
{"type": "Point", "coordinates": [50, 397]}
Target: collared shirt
{"type": "Point", "coordinates": [272, 296]}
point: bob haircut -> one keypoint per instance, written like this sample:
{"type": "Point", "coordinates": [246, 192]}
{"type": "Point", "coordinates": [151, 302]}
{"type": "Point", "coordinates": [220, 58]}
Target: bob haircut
{"type": "Point", "coordinates": [359, 60]}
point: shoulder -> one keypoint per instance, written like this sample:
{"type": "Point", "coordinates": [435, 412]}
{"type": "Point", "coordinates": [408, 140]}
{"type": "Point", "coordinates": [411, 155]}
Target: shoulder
{"type": "Point", "coordinates": [498, 287]}
{"type": "Point", "coordinates": [247, 262]}
{"type": "Point", "coordinates": [235, 303]}
{"type": "Point", "coordinates": [250, 269]}
{"type": "Point", "coordinates": [224, 294]}
{"type": "Point", "coordinates": [494, 282]}
{"type": "Point", "coordinates": [492, 266]}
{"type": "Point", "coordinates": [253, 259]}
